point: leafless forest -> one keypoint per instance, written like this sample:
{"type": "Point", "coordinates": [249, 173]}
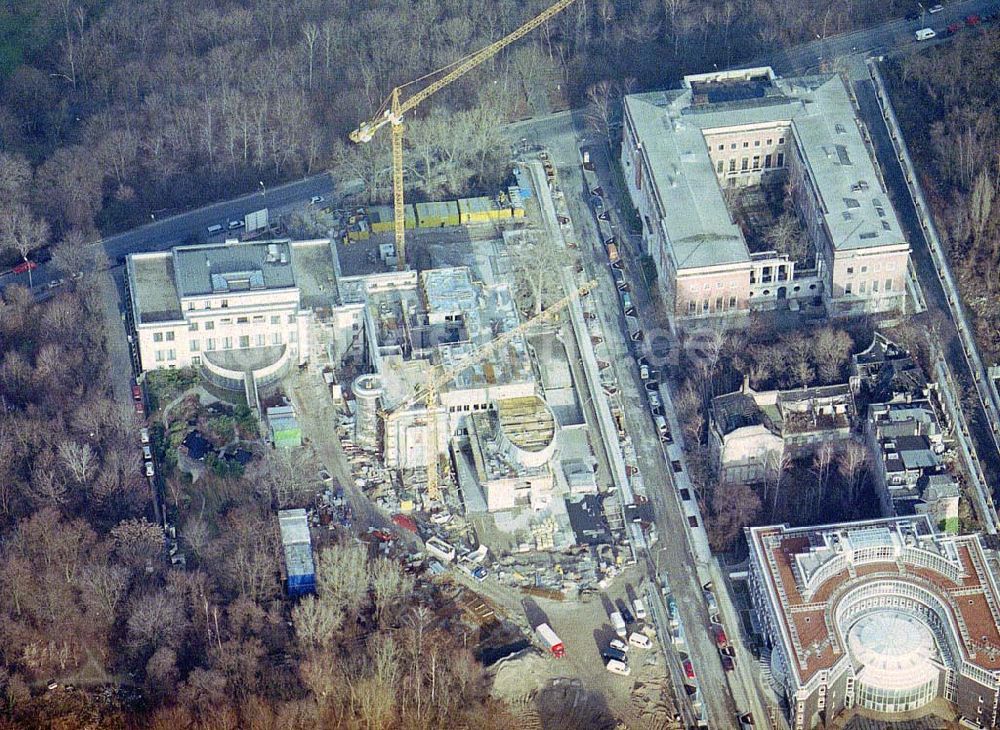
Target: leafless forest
{"type": "Point", "coordinates": [947, 102]}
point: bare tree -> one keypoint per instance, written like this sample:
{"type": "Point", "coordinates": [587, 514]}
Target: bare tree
{"type": "Point", "coordinates": [310, 34]}
{"type": "Point", "coordinates": [853, 464]}
{"type": "Point", "coordinates": [391, 586]}
{"type": "Point", "coordinates": [317, 622]}
{"type": "Point", "coordinates": [22, 231]}
{"type": "Point", "coordinates": [602, 99]}
{"type": "Point", "coordinates": [822, 460]}
{"type": "Point", "coordinates": [342, 578]}
{"type": "Point", "coordinates": [536, 267]}
{"type": "Point", "coordinates": [78, 459]}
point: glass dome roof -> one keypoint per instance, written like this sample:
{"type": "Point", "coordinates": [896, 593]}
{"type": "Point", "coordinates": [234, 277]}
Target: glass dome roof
{"type": "Point", "coordinates": [892, 650]}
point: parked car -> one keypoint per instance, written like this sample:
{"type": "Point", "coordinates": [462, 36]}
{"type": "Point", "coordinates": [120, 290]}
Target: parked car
{"type": "Point", "coordinates": [728, 662]}
{"type": "Point", "coordinates": [970, 20]}
{"type": "Point", "coordinates": [137, 391]}
{"type": "Point", "coordinates": [644, 372]}
{"type": "Point", "coordinates": [618, 644]}
{"type": "Point", "coordinates": [953, 28]}
{"type": "Point", "coordinates": [640, 640]}
{"type": "Point", "coordinates": [935, 8]}
{"type": "Point", "coordinates": [627, 615]}
{"type": "Point", "coordinates": [616, 667]}
{"type": "Point", "coordinates": [149, 469]}
{"type": "Point", "coordinates": [654, 399]}
{"type": "Point", "coordinates": [640, 609]}
{"type": "Point", "coordinates": [147, 453]}
{"type": "Point", "coordinates": [617, 654]}
{"type": "Point", "coordinates": [24, 267]}
{"type": "Point", "coordinates": [233, 225]}
{"type": "Point", "coordinates": [144, 435]}
{"type": "Point", "coordinates": [689, 669]}
{"type": "Point", "coordinates": [140, 409]}
{"type": "Point", "coordinates": [316, 200]}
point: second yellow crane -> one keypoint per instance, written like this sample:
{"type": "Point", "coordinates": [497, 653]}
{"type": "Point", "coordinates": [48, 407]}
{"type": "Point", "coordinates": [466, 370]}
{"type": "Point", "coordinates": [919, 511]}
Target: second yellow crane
{"type": "Point", "coordinates": [428, 393]}
{"type": "Point", "coordinates": [393, 108]}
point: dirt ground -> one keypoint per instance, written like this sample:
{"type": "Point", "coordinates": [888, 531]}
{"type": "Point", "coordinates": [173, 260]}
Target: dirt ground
{"type": "Point", "coordinates": [576, 690]}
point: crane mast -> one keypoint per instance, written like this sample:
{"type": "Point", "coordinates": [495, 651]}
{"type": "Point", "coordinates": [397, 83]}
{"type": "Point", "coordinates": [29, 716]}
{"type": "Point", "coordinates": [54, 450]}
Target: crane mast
{"type": "Point", "coordinates": [393, 109]}
{"type": "Point", "coordinates": [428, 394]}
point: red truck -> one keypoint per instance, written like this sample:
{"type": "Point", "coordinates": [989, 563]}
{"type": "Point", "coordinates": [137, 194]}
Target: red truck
{"type": "Point", "coordinates": [553, 642]}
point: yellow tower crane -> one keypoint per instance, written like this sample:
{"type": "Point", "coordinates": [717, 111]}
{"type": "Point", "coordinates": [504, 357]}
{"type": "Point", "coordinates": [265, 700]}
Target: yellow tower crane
{"type": "Point", "coordinates": [394, 107]}
{"type": "Point", "coordinates": [428, 393]}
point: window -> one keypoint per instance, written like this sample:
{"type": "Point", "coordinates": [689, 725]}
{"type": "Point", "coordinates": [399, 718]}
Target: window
{"type": "Point", "coordinates": [722, 147]}
{"type": "Point", "coordinates": [888, 284]}
{"type": "Point", "coordinates": [195, 345]}
{"type": "Point", "coordinates": [159, 356]}
{"type": "Point", "coordinates": [293, 336]}
{"type": "Point", "coordinates": [718, 304]}
{"type": "Point", "coordinates": [691, 307]}
{"type": "Point", "coordinates": [756, 143]}
{"type": "Point", "coordinates": [732, 146]}
{"type": "Point", "coordinates": [190, 306]}
{"type": "Point", "coordinates": [291, 319]}
{"type": "Point", "coordinates": [875, 287]}
{"type": "Point", "coordinates": [850, 270]}
{"type": "Point", "coordinates": [781, 140]}
{"type": "Point", "coordinates": [704, 306]}
{"type": "Point", "coordinates": [275, 338]}
{"type": "Point", "coordinates": [732, 166]}
{"type": "Point", "coordinates": [227, 343]}
{"type": "Point", "coordinates": [195, 360]}
{"type": "Point", "coordinates": [864, 269]}
{"type": "Point", "coordinates": [862, 287]}
{"type": "Point", "coordinates": [770, 142]}
{"type": "Point", "coordinates": [745, 145]}
{"type": "Point", "coordinates": [877, 267]}
{"type": "Point", "coordinates": [732, 302]}
{"type": "Point", "coordinates": [157, 337]}
{"type": "Point", "coordinates": [244, 340]}
{"type": "Point", "coordinates": [227, 320]}
{"type": "Point", "coordinates": [745, 164]}
{"type": "Point", "coordinates": [781, 159]}
{"type": "Point", "coordinates": [225, 303]}
{"type": "Point", "coordinates": [193, 327]}
{"type": "Point", "coordinates": [209, 325]}
{"type": "Point", "coordinates": [242, 320]}
{"type": "Point", "coordinates": [171, 354]}
{"type": "Point", "coordinates": [767, 161]}
{"type": "Point", "coordinates": [210, 344]}
{"type": "Point", "coordinates": [847, 289]}
{"type": "Point", "coordinates": [275, 319]}
{"type": "Point", "coordinates": [719, 166]}
{"type": "Point", "coordinates": [756, 162]}
{"type": "Point", "coordinates": [170, 336]}
{"type": "Point", "coordinates": [258, 318]}
{"type": "Point", "coordinates": [261, 340]}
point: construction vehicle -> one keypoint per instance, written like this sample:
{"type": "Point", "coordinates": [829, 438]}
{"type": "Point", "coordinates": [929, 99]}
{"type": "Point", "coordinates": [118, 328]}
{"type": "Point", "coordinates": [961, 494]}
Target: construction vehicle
{"type": "Point", "coordinates": [394, 108]}
{"type": "Point", "coordinates": [428, 393]}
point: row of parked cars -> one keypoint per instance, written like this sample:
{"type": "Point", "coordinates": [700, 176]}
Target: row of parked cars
{"type": "Point", "coordinates": [144, 442]}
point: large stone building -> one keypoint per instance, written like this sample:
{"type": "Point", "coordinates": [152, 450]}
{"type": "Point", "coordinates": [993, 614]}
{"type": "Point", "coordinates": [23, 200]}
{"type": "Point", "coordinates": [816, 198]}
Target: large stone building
{"type": "Point", "coordinates": [884, 616]}
{"type": "Point", "coordinates": [683, 148]}
{"type": "Point", "coordinates": [228, 308]}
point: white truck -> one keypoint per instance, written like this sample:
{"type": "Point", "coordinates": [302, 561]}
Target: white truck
{"type": "Point", "coordinates": [619, 623]}
{"type": "Point", "coordinates": [551, 640]}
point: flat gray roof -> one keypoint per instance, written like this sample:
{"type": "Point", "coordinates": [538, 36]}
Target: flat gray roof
{"type": "Point", "coordinates": [671, 127]}
{"type": "Point", "coordinates": [154, 294]}
{"type": "Point", "coordinates": [230, 267]}
{"type": "Point", "coordinates": [312, 266]}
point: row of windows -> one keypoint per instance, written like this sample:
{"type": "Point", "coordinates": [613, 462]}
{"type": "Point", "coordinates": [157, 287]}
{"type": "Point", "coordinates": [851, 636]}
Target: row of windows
{"type": "Point", "coordinates": [275, 319]}
{"type": "Point", "coordinates": [756, 143]}
{"type": "Point", "coordinates": [863, 286]}
{"type": "Point", "coordinates": [745, 163]}
{"type": "Point", "coordinates": [243, 341]}
{"type": "Point", "coordinates": [720, 305]}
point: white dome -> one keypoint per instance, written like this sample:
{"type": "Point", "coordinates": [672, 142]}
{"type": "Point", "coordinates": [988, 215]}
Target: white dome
{"type": "Point", "coordinates": [892, 650]}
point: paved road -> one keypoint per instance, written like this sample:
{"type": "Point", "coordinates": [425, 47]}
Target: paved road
{"type": "Point", "coordinates": [893, 35]}
{"type": "Point", "coordinates": [162, 234]}
{"type": "Point", "coordinates": [936, 299]}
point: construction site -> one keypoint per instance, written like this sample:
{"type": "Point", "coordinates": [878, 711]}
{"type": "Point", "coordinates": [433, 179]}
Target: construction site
{"type": "Point", "coordinates": [485, 424]}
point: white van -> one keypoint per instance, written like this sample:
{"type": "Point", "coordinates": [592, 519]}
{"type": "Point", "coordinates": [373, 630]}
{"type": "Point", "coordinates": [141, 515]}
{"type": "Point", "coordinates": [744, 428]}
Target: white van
{"type": "Point", "coordinates": [617, 667]}
{"type": "Point", "coordinates": [212, 230]}
{"type": "Point", "coordinates": [619, 623]}
{"type": "Point", "coordinates": [640, 640]}
{"type": "Point", "coordinates": [639, 608]}
{"type": "Point", "coordinates": [925, 34]}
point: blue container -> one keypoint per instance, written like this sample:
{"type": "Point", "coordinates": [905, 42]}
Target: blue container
{"type": "Point", "coordinates": [300, 585]}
